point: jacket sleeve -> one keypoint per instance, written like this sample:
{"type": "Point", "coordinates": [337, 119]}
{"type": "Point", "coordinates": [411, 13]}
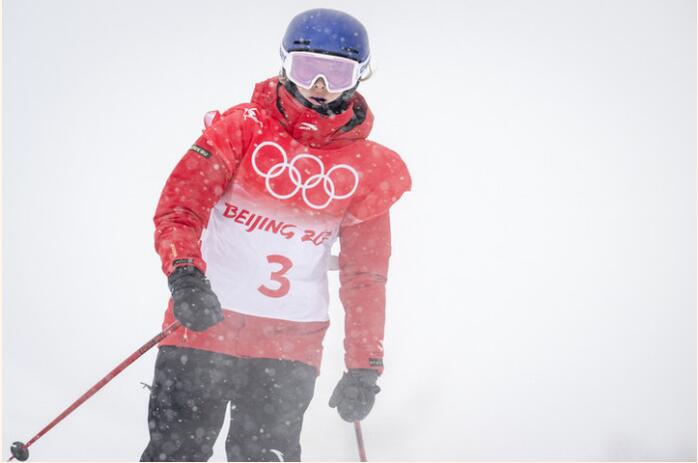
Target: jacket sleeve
{"type": "Point", "coordinates": [384, 179]}
{"type": "Point", "coordinates": [363, 272]}
{"type": "Point", "coordinates": [193, 188]}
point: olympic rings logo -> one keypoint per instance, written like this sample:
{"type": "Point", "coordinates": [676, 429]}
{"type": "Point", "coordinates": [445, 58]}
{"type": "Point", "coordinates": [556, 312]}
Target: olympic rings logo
{"type": "Point", "coordinates": [296, 179]}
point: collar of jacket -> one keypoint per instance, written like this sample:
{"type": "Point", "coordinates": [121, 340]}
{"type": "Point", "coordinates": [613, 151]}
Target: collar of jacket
{"type": "Point", "coordinates": [307, 125]}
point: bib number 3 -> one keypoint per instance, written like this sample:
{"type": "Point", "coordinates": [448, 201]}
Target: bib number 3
{"type": "Point", "coordinates": [278, 276]}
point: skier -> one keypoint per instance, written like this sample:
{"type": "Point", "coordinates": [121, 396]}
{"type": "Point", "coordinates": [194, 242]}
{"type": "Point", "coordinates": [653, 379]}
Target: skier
{"type": "Point", "coordinates": [244, 228]}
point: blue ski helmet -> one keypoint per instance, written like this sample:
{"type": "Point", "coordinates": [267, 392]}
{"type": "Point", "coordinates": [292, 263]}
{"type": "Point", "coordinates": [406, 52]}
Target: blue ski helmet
{"type": "Point", "coordinates": [327, 31]}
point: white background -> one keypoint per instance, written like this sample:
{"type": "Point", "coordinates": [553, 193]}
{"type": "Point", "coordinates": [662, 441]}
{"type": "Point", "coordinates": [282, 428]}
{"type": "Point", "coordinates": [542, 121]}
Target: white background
{"type": "Point", "coordinates": [542, 296]}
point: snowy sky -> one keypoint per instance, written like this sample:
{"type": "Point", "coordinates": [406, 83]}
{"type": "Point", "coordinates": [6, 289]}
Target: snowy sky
{"type": "Point", "coordinates": [542, 296]}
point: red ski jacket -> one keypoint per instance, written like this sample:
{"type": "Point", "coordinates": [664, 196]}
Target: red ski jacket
{"type": "Point", "coordinates": [256, 204]}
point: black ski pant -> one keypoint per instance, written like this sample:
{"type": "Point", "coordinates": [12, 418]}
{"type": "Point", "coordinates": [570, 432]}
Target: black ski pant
{"type": "Point", "coordinates": [193, 388]}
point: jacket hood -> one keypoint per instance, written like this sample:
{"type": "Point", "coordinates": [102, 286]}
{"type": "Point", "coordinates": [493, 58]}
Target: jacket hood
{"type": "Point", "coordinates": [308, 126]}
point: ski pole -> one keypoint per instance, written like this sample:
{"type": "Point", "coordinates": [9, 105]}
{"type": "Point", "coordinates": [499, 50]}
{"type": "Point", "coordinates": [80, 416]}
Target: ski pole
{"type": "Point", "coordinates": [360, 441]}
{"type": "Point", "coordinates": [20, 450]}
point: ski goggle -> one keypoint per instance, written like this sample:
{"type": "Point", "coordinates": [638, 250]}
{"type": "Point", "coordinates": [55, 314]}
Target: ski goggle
{"type": "Point", "coordinates": [304, 68]}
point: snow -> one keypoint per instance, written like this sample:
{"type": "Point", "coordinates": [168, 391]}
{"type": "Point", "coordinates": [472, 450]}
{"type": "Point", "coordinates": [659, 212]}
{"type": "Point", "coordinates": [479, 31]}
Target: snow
{"type": "Point", "coordinates": [542, 295]}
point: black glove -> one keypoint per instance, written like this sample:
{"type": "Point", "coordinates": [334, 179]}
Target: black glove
{"type": "Point", "coordinates": [355, 394]}
{"type": "Point", "coordinates": [195, 305]}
